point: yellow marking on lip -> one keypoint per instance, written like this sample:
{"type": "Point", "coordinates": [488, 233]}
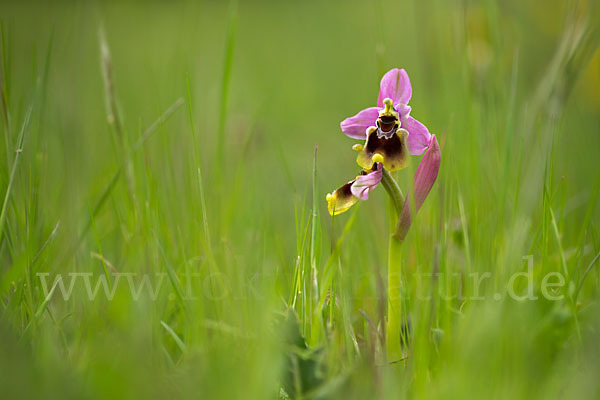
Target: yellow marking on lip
{"type": "Point", "coordinates": [377, 158]}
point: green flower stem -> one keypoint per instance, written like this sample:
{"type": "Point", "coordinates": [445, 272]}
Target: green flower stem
{"type": "Point", "coordinates": [394, 311]}
{"type": "Point", "coordinates": [393, 190]}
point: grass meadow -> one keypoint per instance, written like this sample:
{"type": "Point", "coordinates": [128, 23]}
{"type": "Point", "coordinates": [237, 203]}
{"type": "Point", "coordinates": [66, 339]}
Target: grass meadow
{"type": "Point", "coordinates": [164, 231]}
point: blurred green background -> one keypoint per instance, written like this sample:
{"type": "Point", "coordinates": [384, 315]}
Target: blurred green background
{"type": "Point", "coordinates": [221, 187]}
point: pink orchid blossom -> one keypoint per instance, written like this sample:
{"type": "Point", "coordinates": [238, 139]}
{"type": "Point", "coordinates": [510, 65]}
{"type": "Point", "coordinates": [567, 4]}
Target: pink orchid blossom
{"type": "Point", "coordinates": [386, 126]}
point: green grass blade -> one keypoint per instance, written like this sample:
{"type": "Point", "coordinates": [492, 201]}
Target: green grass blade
{"type": "Point", "coordinates": [176, 338]}
{"type": "Point", "coordinates": [13, 170]}
{"type": "Point", "coordinates": [226, 81]}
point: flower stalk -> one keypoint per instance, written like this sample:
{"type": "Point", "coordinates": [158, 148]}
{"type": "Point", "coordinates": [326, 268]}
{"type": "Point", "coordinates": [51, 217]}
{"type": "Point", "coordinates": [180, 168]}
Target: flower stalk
{"type": "Point", "coordinates": [393, 190]}
{"type": "Point", "coordinates": [394, 271]}
{"type": "Point", "coordinates": [425, 177]}
{"type": "Point", "coordinates": [394, 306]}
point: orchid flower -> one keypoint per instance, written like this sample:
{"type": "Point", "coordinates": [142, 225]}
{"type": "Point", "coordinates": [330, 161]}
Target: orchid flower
{"type": "Point", "coordinates": [388, 128]}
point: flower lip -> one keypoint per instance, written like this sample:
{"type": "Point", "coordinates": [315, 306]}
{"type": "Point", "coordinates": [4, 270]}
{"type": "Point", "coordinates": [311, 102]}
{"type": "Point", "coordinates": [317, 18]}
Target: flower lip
{"type": "Point", "coordinates": [392, 150]}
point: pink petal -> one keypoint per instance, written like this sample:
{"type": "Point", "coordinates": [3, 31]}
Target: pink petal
{"type": "Point", "coordinates": [404, 111]}
{"type": "Point", "coordinates": [356, 126]}
{"type": "Point", "coordinates": [365, 183]}
{"type": "Point", "coordinates": [396, 86]}
{"type": "Point", "coordinates": [425, 177]}
{"type": "Point", "coordinates": [418, 135]}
